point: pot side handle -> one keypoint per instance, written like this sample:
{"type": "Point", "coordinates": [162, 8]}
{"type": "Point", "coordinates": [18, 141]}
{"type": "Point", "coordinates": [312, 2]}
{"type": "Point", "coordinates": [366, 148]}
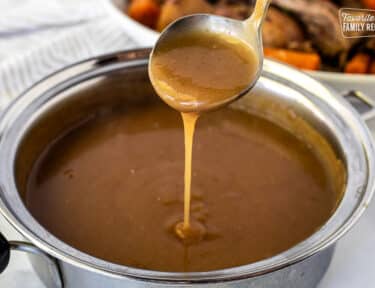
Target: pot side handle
{"type": "Point", "coordinates": [4, 253]}
{"type": "Point", "coordinates": [362, 103]}
{"type": "Point", "coordinates": [51, 275]}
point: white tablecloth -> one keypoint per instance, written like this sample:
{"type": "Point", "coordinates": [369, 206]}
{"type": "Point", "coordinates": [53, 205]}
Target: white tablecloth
{"type": "Point", "coordinates": [38, 37]}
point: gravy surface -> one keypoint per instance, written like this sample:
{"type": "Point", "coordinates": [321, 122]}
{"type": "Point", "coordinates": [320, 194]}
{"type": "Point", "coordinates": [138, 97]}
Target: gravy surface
{"type": "Point", "coordinates": [112, 188]}
{"type": "Point", "coordinates": [199, 70]}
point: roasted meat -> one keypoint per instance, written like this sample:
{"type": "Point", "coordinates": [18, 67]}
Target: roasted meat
{"type": "Point", "coordinates": [321, 21]}
{"type": "Point", "coordinates": [350, 3]}
{"type": "Point", "coordinates": [237, 11]}
{"type": "Point", "coordinates": [282, 31]}
{"type": "Point", "coordinates": [370, 44]}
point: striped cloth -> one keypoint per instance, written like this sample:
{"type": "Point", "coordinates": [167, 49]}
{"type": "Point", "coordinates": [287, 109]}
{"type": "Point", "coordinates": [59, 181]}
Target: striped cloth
{"type": "Point", "coordinates": [38, 37]}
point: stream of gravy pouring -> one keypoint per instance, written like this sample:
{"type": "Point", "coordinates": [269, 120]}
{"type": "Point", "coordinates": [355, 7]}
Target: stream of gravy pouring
{"type": "Point", "coordinates": [177, 81]}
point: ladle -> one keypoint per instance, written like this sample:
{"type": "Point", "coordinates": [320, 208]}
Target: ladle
{"type": "Point", "coordinates": [249, 31]}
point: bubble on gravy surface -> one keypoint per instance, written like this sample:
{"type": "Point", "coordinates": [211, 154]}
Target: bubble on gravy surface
{"type": "Point", "coordinates": [113, 188]}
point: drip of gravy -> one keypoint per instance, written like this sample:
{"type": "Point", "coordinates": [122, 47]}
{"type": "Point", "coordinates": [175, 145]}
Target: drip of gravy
{"type": "Point", "coordinates": [189, 119]}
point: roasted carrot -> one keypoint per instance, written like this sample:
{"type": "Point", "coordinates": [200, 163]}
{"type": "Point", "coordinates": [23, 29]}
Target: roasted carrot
{"type": "Point", "coordinates": [144, 11]}
{"type": "Point", "coordinates": [302, 60]}
{"type": "Point", "coordinates": [372, 67]}
{"type": "Point", "coordinates": [370, 4]}
{"type": "Point", "coordinates": [359, 64]}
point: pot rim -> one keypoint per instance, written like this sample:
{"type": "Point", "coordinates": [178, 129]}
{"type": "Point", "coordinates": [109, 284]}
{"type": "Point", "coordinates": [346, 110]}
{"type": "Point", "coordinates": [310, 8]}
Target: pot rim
{"type": "Point", "coordinates": [362, 142]}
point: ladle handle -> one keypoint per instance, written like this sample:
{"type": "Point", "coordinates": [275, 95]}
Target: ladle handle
{"type": "Point", "coordinates": [53, 279]}
{"type": "Point", "coordinates": [259, 13]}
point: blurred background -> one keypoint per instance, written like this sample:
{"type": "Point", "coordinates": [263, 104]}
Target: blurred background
{"type": "Point", "coordinates": [38, 37]}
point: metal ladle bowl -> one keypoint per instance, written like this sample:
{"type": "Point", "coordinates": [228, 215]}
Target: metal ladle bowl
{"type": "Point", "coordinates": [249, 31]}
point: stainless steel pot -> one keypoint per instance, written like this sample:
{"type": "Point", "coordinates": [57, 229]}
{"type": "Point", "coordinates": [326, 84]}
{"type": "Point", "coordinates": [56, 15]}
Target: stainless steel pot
{"type": "Point", "coordinates": [79, 90]}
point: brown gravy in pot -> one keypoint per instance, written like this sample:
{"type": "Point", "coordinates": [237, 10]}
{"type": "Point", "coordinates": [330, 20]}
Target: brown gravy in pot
{"type": "Point", "coordinates": [112, 188]}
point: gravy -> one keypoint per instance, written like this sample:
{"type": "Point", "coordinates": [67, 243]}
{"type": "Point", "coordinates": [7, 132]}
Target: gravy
{"type": "Point", "coordinates": [112, 188]}
{"type": "Point", "coordinates": [193, 73]}
{"type": "Point", "coordinates": [198, 70]}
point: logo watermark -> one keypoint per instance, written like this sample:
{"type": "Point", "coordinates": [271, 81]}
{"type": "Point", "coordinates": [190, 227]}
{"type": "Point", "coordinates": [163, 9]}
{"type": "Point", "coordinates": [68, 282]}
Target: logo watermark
{"type": "Point", "coordinates": [357, 23]}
